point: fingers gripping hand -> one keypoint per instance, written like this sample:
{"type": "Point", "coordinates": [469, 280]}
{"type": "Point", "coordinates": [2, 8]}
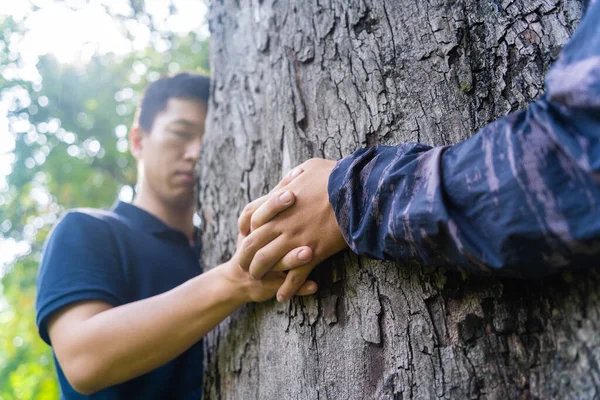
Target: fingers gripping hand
{"type": "Point", "coordinates": [269, 257]}
{"type": "Point", "coordinates": [249, 247]}
{"type": "Point", "coordinates": [309, 222]}
{"type": "Point", "coordinates": [279, 201]}
{"type": "Point", "coordinates": [253, 290]}
{"type": "Point", "coordinates": [266, 287]}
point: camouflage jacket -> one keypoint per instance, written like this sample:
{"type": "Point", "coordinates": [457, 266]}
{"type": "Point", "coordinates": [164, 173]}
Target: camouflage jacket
{"type": "Point", "coordinates": [521, 196]}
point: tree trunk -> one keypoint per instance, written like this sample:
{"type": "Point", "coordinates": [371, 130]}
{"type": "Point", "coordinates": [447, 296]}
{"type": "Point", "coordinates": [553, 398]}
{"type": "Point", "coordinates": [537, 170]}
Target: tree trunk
{"type": "Point", "coordinates": [321, 78]}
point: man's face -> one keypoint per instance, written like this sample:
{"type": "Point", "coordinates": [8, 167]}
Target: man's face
{"type": "Point", "coordinates": [170, 151]}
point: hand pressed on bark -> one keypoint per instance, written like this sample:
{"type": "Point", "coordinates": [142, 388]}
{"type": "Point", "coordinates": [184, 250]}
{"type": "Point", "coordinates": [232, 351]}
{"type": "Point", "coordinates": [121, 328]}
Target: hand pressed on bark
{"type": "Point", "coordinates": [310, 221]}
{"type": "Point", "coordinates": [265, 288]}
{"type": "Point", "coordinates": [278, 200]}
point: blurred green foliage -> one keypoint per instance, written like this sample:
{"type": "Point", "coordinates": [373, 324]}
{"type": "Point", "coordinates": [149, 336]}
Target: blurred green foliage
{"type": "Point", "coordinates": [70, 150]}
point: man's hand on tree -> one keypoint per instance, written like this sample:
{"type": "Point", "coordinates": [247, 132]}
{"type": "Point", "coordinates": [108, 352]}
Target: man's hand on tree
{"type": "Point", "coordinates": [275, 225]}
{"type": "Point", "coordinates": [265, 288]}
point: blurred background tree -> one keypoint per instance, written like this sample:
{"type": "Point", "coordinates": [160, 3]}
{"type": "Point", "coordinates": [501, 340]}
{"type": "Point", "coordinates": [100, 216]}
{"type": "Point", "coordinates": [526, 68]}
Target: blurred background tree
{"type": "Point", "coordinates": [71, 75]}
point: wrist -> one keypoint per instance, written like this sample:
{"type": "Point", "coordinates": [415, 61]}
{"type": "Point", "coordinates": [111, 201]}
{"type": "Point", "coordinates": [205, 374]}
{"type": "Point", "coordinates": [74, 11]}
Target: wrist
{"type": "Point", "coordinates": [231, 284]}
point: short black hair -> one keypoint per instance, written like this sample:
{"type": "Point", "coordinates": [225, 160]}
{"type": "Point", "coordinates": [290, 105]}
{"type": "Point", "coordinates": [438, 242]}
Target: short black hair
{"type": "Point", "coordinates": [184, 86]}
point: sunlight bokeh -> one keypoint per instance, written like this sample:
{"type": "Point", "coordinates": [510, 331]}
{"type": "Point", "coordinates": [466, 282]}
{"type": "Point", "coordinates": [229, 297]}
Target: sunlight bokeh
{"type": "Point", "coordinates": [74, 31]}
{"type": "Point", "coordinates": [71, 76]}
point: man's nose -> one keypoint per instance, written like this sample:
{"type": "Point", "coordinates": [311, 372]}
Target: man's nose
{"type": "Point", "coordinates": [192, 151]}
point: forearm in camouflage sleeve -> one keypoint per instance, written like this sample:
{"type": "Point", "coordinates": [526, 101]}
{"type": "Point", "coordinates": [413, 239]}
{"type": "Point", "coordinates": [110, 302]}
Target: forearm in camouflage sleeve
{"type": "Point", "coordinates": [521, 196]}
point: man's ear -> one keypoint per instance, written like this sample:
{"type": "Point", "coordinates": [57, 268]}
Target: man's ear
{"type": "Point", "coordinates": [136, 142]}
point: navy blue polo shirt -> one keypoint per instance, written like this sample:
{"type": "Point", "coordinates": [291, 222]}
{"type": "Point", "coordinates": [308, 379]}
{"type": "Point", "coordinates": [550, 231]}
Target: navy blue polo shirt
{"type": "Point", "coordinates": [119, 256]}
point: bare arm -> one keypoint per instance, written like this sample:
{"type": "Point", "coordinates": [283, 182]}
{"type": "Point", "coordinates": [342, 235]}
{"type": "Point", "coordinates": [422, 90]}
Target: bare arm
{"type": "Point", "coordinates": [99, 346]}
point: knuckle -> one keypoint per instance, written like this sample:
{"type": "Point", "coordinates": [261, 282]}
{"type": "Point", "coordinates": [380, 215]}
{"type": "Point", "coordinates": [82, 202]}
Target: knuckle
{"type": "Point", "coordinates": [247, 210]}
{"type": "Point", "coordinates": [248, 244]}
{"type": "Point", "coordinates": [295, 279]}
{"type": "Point", "coordinates": [296, 231]}
{"type": "Point", "coordinates": [253, 220]}
{"type": "Point", "coordinates": [260, 257]}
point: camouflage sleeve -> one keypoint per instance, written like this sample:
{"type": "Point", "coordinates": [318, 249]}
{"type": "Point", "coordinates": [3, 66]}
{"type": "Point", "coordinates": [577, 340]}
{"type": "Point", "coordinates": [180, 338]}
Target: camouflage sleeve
{"type": "Point", "coordinates": [521, 196]}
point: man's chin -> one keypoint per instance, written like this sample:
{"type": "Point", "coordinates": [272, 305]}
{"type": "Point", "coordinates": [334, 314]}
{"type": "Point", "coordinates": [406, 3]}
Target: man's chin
{"type": "Point", "coordinates": [182, 201]}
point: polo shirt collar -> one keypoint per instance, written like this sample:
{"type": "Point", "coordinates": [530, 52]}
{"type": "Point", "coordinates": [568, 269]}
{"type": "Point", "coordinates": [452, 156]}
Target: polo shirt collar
{"type": "Point", "coordinates": [146, 222]}
{"type": "Point", "coordinates": [141, 219]}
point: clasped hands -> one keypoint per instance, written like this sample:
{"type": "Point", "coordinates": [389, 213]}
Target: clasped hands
{"type": "Point", "coordinates": [293, 228]}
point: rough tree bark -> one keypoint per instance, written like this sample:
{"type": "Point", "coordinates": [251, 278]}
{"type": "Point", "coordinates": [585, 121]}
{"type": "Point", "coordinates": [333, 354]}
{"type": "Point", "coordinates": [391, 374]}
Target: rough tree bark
{"type": "Point", "coordinates": [298, 79]}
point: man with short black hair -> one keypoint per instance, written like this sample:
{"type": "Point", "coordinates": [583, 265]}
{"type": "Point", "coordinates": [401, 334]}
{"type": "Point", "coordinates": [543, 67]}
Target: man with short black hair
{"type": "Point", "coordinates": [121, 298]}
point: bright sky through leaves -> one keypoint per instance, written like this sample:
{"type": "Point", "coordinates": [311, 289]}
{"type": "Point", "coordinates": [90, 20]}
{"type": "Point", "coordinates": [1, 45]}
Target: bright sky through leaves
{"type": "Point", "coordinates": [73, 29]}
